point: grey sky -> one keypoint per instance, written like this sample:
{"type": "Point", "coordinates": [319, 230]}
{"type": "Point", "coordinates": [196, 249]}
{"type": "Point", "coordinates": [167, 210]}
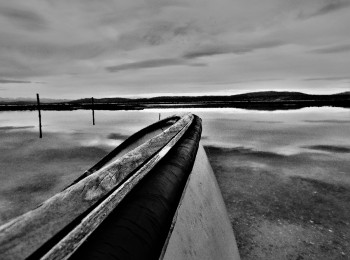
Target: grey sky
{"type": "Point", "coordinates": [82, 48]}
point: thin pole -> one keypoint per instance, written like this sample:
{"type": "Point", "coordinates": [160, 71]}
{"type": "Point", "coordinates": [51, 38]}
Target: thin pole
{"type": "Point", "coordinates": [93, 111]}
{"type": "Point", "coordinates": [159, 117]}
{"type": "Point", "coordinates": [38, 106]}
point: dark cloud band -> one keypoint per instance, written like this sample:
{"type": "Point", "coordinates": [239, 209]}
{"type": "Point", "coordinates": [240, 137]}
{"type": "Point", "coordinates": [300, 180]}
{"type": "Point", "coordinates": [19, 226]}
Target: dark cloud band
{"type": "Point", "coordinates": [230, 49]}
{"type": "Point", "coordinates": [24, 18]}
{"type": "Point", "coordinates": [333, 49]}
{"type": "Point", "coordinates": [155, 63]}
{"type": "Point", "coordinates": [9, 81]}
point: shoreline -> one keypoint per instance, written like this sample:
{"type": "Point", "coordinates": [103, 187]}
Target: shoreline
{"type": "Point", "coordinates": [249, 105]}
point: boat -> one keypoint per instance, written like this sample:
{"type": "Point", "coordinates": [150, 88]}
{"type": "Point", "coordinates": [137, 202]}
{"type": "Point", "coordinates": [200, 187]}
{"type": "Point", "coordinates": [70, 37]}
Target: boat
{"type": "Point", "coordinates": [153, 197]}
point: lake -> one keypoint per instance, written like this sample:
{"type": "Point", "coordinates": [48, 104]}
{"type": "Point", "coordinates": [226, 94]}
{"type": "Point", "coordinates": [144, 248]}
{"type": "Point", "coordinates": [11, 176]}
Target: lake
{"type": "Point", "coordinates": [284, 175]}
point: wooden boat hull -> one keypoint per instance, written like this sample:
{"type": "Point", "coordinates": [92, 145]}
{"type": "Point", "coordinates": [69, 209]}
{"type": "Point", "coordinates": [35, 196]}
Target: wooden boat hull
{"type": "Point", "coordinates": [201, 228]}
{"type": "Point", "coordinates": [152, 197]}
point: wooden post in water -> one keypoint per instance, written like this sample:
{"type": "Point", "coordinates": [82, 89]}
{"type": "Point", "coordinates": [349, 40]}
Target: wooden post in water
{"type": "Point", "coordinates": [93, 111]}
{"type": "Point", "coordinates": [38, 106]}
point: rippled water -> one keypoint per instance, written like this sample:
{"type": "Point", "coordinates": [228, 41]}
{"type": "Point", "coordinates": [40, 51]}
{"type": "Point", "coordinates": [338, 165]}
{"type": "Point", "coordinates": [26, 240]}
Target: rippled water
{"type": "Point", "coordinates": [33, 169]}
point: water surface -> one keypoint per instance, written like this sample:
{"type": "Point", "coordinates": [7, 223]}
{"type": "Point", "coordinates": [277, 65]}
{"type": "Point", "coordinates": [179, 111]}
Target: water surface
{"type": "Point", "coordinates": [257, 149]}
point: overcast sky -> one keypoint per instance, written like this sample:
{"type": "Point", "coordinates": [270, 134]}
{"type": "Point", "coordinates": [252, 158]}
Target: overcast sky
{"type": "Point", "coordinates": [105, 48]}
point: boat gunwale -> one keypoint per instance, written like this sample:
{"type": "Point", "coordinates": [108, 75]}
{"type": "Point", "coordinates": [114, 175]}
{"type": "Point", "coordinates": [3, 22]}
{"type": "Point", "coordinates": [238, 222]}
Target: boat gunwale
{"type": "Point", "coordinates": [74, 239]}
{"type": "Point", "coordinates": [127, 142]}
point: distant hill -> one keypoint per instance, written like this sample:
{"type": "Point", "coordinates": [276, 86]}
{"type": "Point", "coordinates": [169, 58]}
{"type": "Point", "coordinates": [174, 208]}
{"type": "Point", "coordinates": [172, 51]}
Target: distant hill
{"type": "Point", "coordinates": [266, 100]}
{"type": "Point", "coordinates": [266, 96]}
{"type": "Point", "coordinates": [100, 100]}
{"type": "Point", "coordinates": [343, 94]}
{"type": "Point", "coordinates": [28, 101]}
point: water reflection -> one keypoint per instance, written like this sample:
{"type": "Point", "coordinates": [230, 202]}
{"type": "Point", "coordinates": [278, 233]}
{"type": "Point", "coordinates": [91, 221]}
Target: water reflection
{"type": "Point", "coordinates": [33, 169]}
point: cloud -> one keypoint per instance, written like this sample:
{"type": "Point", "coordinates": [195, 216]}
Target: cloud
{"type": "Point", "coordinates": [24, 18]}
{"type": "Point", "coordinates": [26, 195]}
{"type": "Point", "coordinates": [329, 6]}
{"type": "Point", "coordinates": [156, 33]}
{"type": "Point", "coordinates": [329, 148]}
{"type": "Point", "coordinates": [255, 80]}
{"type": "Point", "coordinates": [332, 6]}
{"type": "Point", "coordinates": [327, 79]}
{"type": "Point", "coordinates": [268, 122]}
{"type": "Point", "coordinates": [206, 51]}
{"type": "Point", "coordinates": [328, 121]}
{"type": "Point", "coordinates": [155, 63]}
{"type": "Point", "coordinates": [74, 45]}
{"type": "Point", "coordinates": [8, 81]}
{"type": "Point", "coordinates": [333, 49]}
{"type": "Point", "coordinates": [245, 151]}
{"type": "Point", "coordinates": [117, 136]}
{"type": "Point", "coordinates": [8, 128]}
{"type": "Point", "coordinates": [231, 49]}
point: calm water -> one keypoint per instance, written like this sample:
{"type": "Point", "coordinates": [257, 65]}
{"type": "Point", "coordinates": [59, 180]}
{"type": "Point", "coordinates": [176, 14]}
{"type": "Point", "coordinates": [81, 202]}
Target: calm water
{"type": "Point", "coordinates": [33, 169]}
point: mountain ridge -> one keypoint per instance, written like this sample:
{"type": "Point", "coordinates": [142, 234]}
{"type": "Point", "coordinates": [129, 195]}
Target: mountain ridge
{"type": "Point", "coordinates": [260, 96]}
{"type": "Point", "coordinates": [267, 96]}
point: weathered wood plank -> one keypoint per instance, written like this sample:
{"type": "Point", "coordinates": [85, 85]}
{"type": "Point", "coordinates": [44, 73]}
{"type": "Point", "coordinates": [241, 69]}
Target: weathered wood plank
{"type": "Point", "coordinates": [131, 143]}
{"type": "Point", "coordinates": [137, 228]}
{"type": "Point", "coordinates": [25, 234]}
{"type": "Point", "coordinates": [78, 235]}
